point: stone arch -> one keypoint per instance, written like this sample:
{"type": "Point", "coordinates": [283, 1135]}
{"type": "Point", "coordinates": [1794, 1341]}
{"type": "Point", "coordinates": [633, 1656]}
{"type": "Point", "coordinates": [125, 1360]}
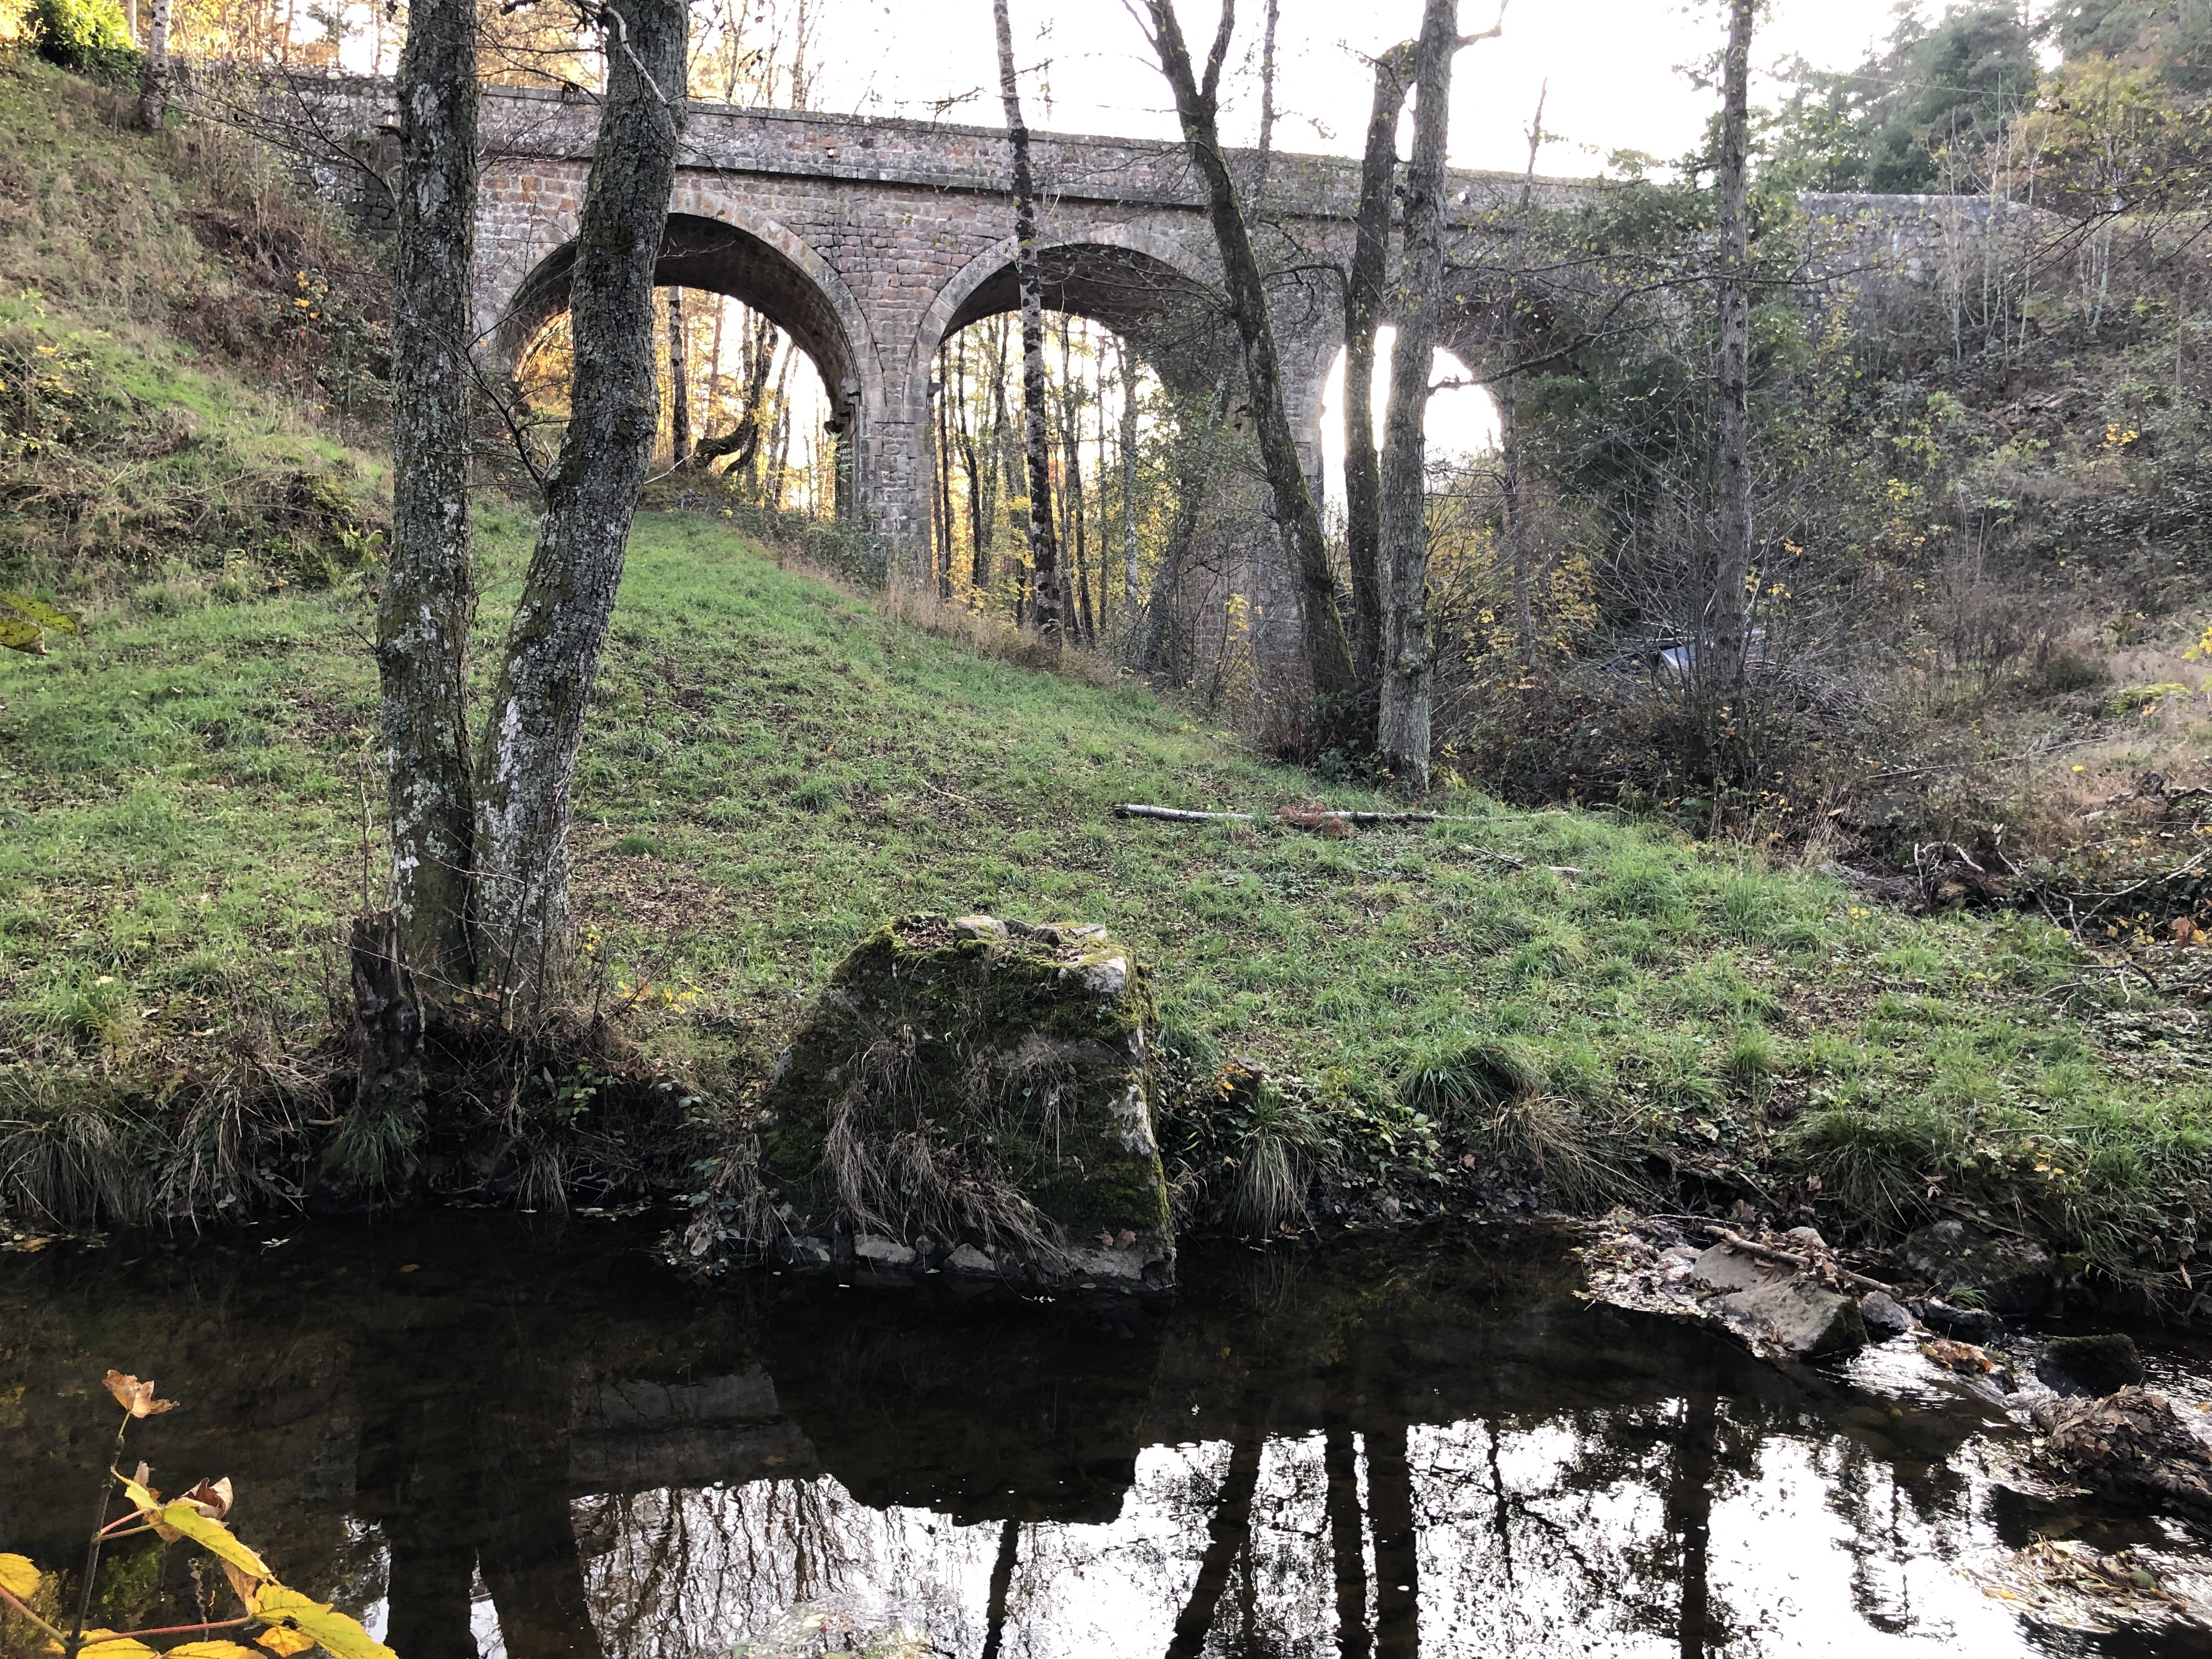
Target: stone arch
{"type": "Point", "coordinates": [759, 264]}
{"type": "Point", "coordinates": [1120, 275]}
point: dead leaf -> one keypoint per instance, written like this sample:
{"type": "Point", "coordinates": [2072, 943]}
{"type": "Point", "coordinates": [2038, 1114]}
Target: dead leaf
{"type": "Point", "coordinates": [1962, 1357]}
{"type": "Point", "coordinates": [243, 1584]}
{"type": "Point", "coordinates": [210, 1497]}
{"type": "Point", "coordinates": [137, 1397]}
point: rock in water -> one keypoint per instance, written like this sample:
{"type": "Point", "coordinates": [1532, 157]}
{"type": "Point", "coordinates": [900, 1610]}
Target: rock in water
{"type": "Point", "coordinates": [973, 1096]}
{"type": "Point", "coordinates": [2007, 1274]}
{"type": "Point", "coordinates": [1882, 1313]}
{"type": "Point", "coordinates": [2092, 1365]}
{"type": "Point", "coordinates": [2132, 1445]}
{"type": "Point", "coordinates": [1797, 1317]}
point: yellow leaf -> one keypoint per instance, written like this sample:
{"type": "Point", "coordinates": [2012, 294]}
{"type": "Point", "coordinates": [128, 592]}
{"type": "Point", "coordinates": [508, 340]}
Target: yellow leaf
{"type": "Point", "coordinates": [213, 1536]}
{"type": "Point", "coordinates": [283, 1640]}
{"type": "Point", "coordinates": [122, 1648]}
{"type": "Point", "coordinates": [146, 1502]}
{"type": "Point", "coordinates": [211, 1650]}
{"type": "Point", "coordinates": [19, 1577]}
{"type": "Point", "coordinates": [343, 1636]}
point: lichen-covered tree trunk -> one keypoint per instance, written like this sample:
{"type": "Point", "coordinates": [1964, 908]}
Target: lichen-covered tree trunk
{"type": "Point", "coordinates": [1365, 297]}
{"type": "Point", "coordinates": [1044, 552]}
{"type": "Point", "coordinates": [1732, 468]}
{"type": "Point", "coordinates": [422, 619]}
{"type": "Point", "coordinates": [535, 725]}
{"type": "Point", "coordinates": [1402, 716]}
{"type": "Point", "coordinates": [1327, 649]}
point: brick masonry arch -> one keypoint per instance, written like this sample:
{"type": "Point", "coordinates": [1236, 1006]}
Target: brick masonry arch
{"type": "Point", "coordinates": [877, 236]}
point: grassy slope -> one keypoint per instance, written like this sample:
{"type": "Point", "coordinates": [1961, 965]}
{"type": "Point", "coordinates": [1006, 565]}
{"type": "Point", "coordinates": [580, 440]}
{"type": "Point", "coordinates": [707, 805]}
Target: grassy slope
{"type": "Point", "coordinates": [773, 769]}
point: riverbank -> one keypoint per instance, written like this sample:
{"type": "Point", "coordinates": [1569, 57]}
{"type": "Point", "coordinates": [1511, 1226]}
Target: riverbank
{"type": "Point", "coordinates": [1505, 1010]}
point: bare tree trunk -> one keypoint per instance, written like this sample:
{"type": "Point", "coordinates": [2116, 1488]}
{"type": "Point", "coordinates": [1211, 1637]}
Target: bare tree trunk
{"type": "Point", "coordinates": [430, 595]}
{"type": "Point", "coordinates": [1002, 1583]}
{"type": "Point", "coordinates": [1346, 1546]}
{"type": "Point", "coordinates": [535, 724]}
{"type": "Point", "coordinates": [1402, 713]}
{"type": "Point", "coordinates": [1364, 300]}
{"type": "Point", "coordinates": [1228, 1529]}
{"type": "Point", "coordinates": [1397, 1541]}
{"type": "Point", "coordinates": [1128, 480]}
{"type": "Point", "coordinates": [679, 383]}
{"type": "Point", "coordinates": [944, 471]}
{"type": "Point", "coordinates": [1070, 450]}
{"type": "Point", "coordinates": [1155, 650]}
{"type": "Point", "coordinates": [981, 503]}
{"type": "Point", "coordinates": [1329, 651]}
{"type": "Point", "coordinates": [743, 441]}
{"type": "Point", "coordinates": [1044, 555]}
{"type": "Point", "coordinates": [153, 80]}
{"type": "Point", "coordinates": [1509, 423]}
{"type": "Point", "coordinates": [1732, 466]}
{"type": "Point", "coordinates": [1690, 1514]}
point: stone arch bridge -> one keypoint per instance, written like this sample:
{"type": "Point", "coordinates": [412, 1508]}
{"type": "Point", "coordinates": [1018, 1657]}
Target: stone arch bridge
{"type": "Point", "coordinates": [871, 241]}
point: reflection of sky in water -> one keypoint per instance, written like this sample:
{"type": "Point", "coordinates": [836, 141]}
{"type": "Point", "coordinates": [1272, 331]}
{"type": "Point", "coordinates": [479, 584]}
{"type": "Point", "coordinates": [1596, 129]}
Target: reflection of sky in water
{"type": "Point", "coordinates": [1563, 1538]}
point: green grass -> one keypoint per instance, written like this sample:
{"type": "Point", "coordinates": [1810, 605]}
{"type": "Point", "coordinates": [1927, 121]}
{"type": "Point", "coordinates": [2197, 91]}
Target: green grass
{"type": "Point", "coordinates": [773, 767]}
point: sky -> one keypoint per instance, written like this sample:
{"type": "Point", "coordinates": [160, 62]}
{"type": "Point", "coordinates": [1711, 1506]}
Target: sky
{"type": "Point", "coordinates": [1605, 68]}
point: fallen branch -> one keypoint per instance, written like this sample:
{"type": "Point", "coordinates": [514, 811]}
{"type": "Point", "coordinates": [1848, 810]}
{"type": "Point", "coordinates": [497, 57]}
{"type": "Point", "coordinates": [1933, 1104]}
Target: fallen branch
{"type": "Point", "coordinates": [1804, 1263]}
{"type": "Point", "coordinates": [1176, 815]}
{"type": "Point", "coordinates": [1304, 818]}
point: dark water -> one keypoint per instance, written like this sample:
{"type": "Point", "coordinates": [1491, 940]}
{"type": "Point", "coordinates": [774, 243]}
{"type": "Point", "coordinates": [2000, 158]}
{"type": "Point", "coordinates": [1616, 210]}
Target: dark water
{"type": "Point", "coordinates": [483, 1438]}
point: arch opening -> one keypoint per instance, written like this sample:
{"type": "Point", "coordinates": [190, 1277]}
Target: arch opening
{"type": "Point", "coordinates": [743, 304]}
{"type": "Point", "coordinates": [715, 257]}
{"type": "Point", "coordinates": [1163, 313]}
{"type": "Point", "coordinates": [1460, 425]}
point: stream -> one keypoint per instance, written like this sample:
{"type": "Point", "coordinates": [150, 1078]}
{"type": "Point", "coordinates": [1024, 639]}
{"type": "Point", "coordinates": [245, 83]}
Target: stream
{"type": "Point", "coordinates": [487, 1435]}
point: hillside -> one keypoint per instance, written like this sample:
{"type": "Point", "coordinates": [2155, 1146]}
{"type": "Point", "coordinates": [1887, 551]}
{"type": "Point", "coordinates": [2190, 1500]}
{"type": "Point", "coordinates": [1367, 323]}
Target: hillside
{"type": "Point", "coordinates": [1507, 1007]}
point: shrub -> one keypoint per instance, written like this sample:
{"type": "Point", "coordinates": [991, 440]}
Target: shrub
{"type": "Point", "coordinates": [87, 36]}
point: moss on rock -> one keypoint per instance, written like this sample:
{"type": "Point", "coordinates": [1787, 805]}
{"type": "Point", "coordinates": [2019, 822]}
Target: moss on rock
{"type": "Point", "coordinates": [973, 1094]}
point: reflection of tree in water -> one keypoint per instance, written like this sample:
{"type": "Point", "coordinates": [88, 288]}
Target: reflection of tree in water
{"type": "Point", "coordinates": [1372, 1460]}
{"type": "Point", "coordinates": [678, 1573]}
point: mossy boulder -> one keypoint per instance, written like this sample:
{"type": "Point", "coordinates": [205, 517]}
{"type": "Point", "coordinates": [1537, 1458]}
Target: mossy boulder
{"type": "Point", "coordinates": [972, 1096]}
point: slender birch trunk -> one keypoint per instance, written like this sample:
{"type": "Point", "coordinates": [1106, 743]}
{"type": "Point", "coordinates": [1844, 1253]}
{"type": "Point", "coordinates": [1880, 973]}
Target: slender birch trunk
{"type": "Point", "coordinates": [429, 596]}
{"type": "Point", "coordinates": [1731, 607]}
{"type": "Point", "coordinates": [1044, 554]}
{"type": "Point", "coordinates": [528, 761]}
{"type": "Point", "coordinates": [1402, 716]}
{"type": "Point", "coordinates": [153, 79]}
{"type": "Point", "coordinates": [1328, 650]}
